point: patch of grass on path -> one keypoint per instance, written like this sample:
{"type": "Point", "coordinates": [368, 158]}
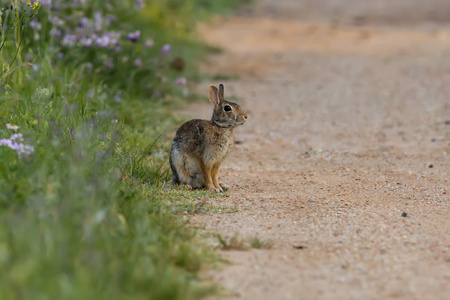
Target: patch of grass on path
{"type": "Point", "coordinates": [238, 243]}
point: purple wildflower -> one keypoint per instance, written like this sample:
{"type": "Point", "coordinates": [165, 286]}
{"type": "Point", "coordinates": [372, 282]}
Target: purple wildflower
{"type": "Point", "coordinates": [16, 137]}
{"type": "Point", "coordinates": [114, 41]}
{"type": "Point", "coordinates": [27, 150]}
{"type": "Point", "coordinates": [149, 43]}
{"type": "Point", "coordinates": [35, 25]}
{"type": "Point", "coordinates": [56, 21]}
{"type": "Point", "coordinates": [103, 41]}
{"type": "Point", "coordinates": [69, 40]}
{"type": "Point", "coordinates": [139, 3]}
{"type": "Point", "coordinates": [109, 39]}
{"type": "Point", "coordinates": [98, 21]}
{"type": "Point", "coordinates": [43, 2]}
{"type": "Point", "coordinates": [15, 143]}
{"type": "Point", "coordinates": [12, 127]}
{"type": "Point", "coordinates": [134, 36]}
{"type": "Point", "coordinates": [118, 98]}
{"type": "Point", "coordinates": [181, 81]}
{"type": "Point", "coordinates": [87, 42]}
{"type": "Point", "coordinates": [83, 23]}
{"type": "Point", "coordinates": [55, 32]}
{"type": "Point", "coordinates": [165, 50]}
{"type": "Point", "coordinates": [6, 142]}
{"type": "Point", "coordinates": [137, 62]}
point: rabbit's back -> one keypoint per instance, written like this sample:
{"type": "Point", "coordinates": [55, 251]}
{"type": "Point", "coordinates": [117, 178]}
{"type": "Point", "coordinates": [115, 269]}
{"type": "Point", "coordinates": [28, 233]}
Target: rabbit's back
{"type": "Point", "coordinates": [204, 140]}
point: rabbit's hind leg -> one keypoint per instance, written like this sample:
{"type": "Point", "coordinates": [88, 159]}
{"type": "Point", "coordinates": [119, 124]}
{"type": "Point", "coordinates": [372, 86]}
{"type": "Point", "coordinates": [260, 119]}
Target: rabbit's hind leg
{"type": "Point", "coordinates": [180, 171]}
{"type": "Point", "coordinates": [195, 176]}
{"type": "Point", "coordinates": [198, 181]}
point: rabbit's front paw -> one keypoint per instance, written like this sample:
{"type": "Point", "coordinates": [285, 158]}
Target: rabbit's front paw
{"type": "Point", "coordinates": [215, 189]}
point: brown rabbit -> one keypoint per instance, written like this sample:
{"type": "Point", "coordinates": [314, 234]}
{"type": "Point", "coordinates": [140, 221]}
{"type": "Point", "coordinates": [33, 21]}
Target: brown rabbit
{"type": "Point", "coordinates": [200, 146]}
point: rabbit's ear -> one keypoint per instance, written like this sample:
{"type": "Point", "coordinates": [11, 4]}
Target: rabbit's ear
{"type": "Point", "coordinates": [213, 96]}
{"type": "Point", "coordinates": [221, 91]}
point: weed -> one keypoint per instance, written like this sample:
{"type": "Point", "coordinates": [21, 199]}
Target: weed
{"type": "Point", "coordinates": [256, 243]}
{"type": "Point", "coordinates": [237, 243]}
{"type": "Point", "coordinates": [233, 243]}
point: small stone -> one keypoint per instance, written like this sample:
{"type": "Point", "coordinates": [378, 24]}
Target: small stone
{"type": "Point", "coordinates": [430, 165]}
{"type": "Point", "coordinates": [299, 247]}
{"type": "Point", "coordinates": [404, 214]}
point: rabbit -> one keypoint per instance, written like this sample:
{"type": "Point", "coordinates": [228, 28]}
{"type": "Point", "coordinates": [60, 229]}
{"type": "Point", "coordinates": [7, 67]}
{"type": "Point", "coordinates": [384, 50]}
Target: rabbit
{"type": "Point", "coordinates": [200, 146]}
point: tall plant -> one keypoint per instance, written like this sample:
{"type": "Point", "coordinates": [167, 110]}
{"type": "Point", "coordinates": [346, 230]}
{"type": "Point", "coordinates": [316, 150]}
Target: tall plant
{"type": "Point", "coordinates": [14, 19]}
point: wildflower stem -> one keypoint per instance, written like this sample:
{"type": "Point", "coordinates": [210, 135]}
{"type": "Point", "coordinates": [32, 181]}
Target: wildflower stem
{"type": "Point", "coordinates": [17, 52]}
{"type": "Point", "coordinates": [18, 28]}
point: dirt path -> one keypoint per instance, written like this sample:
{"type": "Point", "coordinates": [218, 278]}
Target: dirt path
{"type": "Point", "coordinates": [348, 128]}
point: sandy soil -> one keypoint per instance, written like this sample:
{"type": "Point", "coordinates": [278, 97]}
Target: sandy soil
{"type": "Point", "coordinates": [349, 127]}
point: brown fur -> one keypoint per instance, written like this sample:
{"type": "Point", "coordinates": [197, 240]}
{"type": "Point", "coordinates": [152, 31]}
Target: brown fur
{"type": "Point", "coordinates": [200, 146]}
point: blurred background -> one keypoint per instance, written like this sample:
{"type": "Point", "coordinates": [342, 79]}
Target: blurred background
{"type": "Point", "coordinates": [403, 12]}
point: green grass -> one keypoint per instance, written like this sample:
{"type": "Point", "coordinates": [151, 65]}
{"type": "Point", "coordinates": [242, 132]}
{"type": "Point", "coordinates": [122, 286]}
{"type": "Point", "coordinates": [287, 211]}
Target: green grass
{"type": "Point", "coordinates": [257, 243]}
{"type": "Point", "coordinates": [233, 243]}
{"type": "Point", "coordinates": [237, 243]}
{"type": "Point", "coordinates": [87, 215]}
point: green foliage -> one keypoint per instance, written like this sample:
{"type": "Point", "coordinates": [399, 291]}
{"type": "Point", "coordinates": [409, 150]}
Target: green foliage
{"type": "Point", "coordinates": [85, 214]}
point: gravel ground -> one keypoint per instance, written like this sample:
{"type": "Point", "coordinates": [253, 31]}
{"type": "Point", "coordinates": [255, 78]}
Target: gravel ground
{"type": "Point", "coordinates": [344, 162]}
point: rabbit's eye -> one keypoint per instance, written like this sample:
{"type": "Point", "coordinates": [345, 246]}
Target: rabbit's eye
{"type": "Point", "coordinates": [227, 108]}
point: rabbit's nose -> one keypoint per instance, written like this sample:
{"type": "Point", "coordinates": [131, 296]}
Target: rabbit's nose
{"type": "Point", "coordinates": [245, 117]}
